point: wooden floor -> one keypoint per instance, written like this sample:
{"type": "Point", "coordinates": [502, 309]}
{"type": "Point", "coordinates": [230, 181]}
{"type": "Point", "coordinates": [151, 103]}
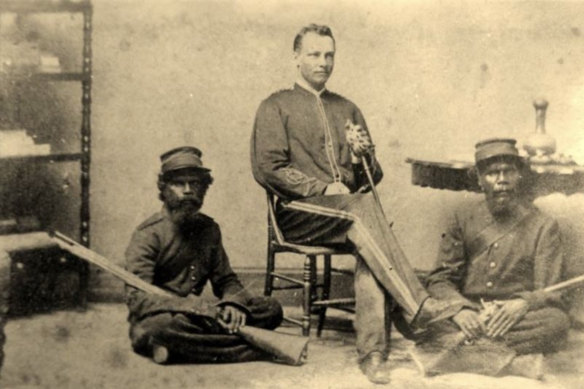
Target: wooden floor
{"type": "Point", "coordinates": [91, 350]}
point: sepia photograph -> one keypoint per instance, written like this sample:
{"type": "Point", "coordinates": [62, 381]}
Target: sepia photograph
{"type": "Point", "coordinates": [272, 194]}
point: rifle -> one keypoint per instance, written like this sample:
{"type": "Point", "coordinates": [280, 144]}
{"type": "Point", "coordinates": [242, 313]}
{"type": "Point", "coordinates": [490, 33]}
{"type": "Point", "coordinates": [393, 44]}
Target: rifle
{"type": "Point", "coordinates": [286, 348]}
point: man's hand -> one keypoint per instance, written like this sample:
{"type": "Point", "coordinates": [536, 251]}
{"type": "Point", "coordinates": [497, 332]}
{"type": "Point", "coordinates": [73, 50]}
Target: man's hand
{"type": "Point", "coordinates": [231, 318]}
{"type": "Point", "coordinates": [359, 140]}
{"type": "Point", "coordinates": [336, 188]}
{"type": "Point", "coordinates": [506, 316]}
{"type": "Point", "coordinates": [470, 323]}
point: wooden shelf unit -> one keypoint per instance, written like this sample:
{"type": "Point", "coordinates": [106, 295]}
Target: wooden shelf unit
{"type": "Point", "coordinates": [83, 157]}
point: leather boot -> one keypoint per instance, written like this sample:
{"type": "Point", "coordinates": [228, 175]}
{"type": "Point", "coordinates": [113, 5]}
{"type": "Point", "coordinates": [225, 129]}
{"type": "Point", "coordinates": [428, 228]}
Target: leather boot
{"type": "Point", "coordinates": [375, 368]}
{"type": "Point", "coordinates": [434, 310]}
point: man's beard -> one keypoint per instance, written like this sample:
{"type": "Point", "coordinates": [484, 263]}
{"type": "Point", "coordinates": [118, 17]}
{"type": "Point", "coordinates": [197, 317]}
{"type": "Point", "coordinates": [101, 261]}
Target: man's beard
{"type": "Point", "coordinates": [502, 204]}
{"type": "Point", "coordinates": [183, 212]}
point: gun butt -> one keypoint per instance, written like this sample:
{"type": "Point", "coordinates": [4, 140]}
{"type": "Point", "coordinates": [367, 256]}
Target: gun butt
{"type": "Point", "coordinates": [286, 348]}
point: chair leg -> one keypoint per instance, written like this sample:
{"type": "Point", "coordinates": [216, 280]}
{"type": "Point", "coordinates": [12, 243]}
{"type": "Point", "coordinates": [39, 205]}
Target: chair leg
{"type": "Point", "coordinates": [313, 281]}
{"type": "Point", "coordinates": [326, 287]}
{"type": "Point", "coordinates": [307, 293]}
{"type": "Point", "coordinates": [271, 263]}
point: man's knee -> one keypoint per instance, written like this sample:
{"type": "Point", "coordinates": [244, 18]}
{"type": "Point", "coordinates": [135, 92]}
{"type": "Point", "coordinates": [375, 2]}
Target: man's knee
{"type": "Point", "coordinates": [143, 331]}
{"type": "Point", "coordinates": [543, 330]}
{"type": "Point", "coordinates": [553, 320]}
{"type": "Point", "coordinates": [266, 312]}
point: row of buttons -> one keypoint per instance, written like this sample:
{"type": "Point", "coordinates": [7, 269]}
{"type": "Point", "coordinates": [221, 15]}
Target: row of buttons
{"type": "Point", "coordinates": [330, 146]}
{"type": "Point", "coordinates": [193, 271]}
{"type": "Point", "coordinates": [492, 265]}
{"type": "Point", "coordinates": [328, 135]}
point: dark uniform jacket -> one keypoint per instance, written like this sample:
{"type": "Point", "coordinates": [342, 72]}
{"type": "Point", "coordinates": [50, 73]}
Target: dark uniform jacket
{"type": "Point", "coordinates": [182, 263]}
{"type": "Point", "coordinates": [299, 146]}
{"type": "Point", "coordinates": [481, 257]}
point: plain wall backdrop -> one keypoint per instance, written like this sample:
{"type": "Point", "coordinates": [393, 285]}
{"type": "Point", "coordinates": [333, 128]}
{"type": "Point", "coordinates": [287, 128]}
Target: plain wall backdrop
{"type": "Point", "coordinates": [432, 78]}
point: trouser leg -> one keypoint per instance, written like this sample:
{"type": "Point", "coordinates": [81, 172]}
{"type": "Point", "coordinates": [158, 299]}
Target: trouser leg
{"type": "Point", "coordinates": [200, 339]}
{"type": "Point", "coordinates": [541, 331]}
{"type": "Point", "coordinates": [358, 217]}
{"type": "Point", "coordinates": [372, 308]}
{"type": "Point", "coordinates": [191, 338]}
{"type": "Point", "coordinates": [4, 298]}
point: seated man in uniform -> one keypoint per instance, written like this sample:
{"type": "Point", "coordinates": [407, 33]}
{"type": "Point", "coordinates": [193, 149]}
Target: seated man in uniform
{"type": "Point", "coordinates": [502, 249]}
{"type": "Point", "coordinates": [179, 249]}
{"type": "Point", "coordinates": [299, 152]}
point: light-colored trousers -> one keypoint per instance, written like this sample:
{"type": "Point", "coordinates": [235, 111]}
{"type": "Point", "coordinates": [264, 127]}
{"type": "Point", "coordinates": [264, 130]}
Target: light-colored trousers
{"type": "Point", "coordinates": [382, 270]}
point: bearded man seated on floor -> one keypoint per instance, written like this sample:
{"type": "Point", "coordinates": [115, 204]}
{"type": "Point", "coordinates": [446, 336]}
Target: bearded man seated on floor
{"type": "Point", "coordinates": [180, 249]}
{"type": "Point", "coordinates": [503, 251]}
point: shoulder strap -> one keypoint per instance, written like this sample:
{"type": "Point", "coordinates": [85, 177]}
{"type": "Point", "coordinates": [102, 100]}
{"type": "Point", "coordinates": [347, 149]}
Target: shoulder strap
{"type": "Point", "coordinates": [494, 232]}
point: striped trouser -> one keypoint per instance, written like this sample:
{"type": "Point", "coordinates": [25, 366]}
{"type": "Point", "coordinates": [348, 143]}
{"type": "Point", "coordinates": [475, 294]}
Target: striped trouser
{"type": "Point", "coordinates": [382, 269]}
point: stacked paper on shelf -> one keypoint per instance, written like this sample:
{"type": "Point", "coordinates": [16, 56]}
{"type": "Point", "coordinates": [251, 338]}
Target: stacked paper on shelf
{"type": "Point", "coordinates": [18, 143]}
{"type": "Point", "coordinates": [50, 64]}
{"type": "Point", "coordinates": [25, 57]}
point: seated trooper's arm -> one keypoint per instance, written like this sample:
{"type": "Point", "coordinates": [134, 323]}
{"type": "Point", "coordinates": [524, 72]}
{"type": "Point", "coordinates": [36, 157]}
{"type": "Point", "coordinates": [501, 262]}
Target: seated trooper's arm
{"type": "Point", "coordinates": [445, 280]}
{"type": "Point", "coordinates": [270, 160]}
{"type": "Point", "coordinates": [548, 267]}
{"type": "Point", "coordinates": [227, 287]}
{"type": "Point", "coordinates": [140, 260]}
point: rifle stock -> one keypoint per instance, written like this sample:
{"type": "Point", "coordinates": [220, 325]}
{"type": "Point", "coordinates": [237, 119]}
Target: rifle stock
{"type": "Point", "coordinates": [286, 348]}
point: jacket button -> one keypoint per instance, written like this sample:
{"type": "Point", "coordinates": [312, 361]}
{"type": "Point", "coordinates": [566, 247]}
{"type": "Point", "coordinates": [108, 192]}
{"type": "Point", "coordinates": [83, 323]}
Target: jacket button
{"type": "Point", "coordinates": [492, 265]}
{"type": "Point", "coordinates": [489, 284]}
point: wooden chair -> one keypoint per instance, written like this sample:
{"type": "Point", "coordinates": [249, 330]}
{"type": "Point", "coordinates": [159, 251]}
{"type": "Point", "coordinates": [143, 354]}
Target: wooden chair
{"type": "Point", "coordinates": [312, 300]}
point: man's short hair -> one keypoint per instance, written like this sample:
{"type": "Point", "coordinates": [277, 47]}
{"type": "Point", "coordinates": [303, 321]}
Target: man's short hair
{"type": "Point", "coordinates": [315, 28]}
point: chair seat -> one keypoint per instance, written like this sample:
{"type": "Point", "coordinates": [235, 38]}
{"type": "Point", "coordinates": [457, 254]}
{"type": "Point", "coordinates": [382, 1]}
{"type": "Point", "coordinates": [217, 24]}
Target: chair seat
{"type": "Point", "coordinates": [315, 294]}
{"type": "Point", "coordinates": [306, 250]}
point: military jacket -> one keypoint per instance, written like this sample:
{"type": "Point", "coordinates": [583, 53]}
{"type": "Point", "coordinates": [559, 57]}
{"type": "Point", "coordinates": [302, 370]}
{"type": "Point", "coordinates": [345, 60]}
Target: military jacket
{"type": "Point", "coordinates": [299, 146]}
{"type": "Point", "coordinates": [181, 262]}
{"type": "Point", "coordinates": [482, 257]}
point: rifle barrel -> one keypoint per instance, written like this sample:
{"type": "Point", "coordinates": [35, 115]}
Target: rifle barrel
{"type": "Point", "coordinates": [565, 284]}
{"type": "Point", "coordinates": [83, 252]}
{"type": "Point", "coordinates": [289, 349]}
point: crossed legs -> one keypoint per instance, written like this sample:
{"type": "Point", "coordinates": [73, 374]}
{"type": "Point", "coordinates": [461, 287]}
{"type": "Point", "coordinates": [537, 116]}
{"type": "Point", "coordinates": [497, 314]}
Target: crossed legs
{"type": "Point", "coordinates": [200, 339]}
{"type": "Point", "coordinates": [382, 271]}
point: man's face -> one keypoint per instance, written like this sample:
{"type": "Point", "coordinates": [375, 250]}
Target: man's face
{"type": "Point", "coordinates": [184, 194]}
{"type": "Point", "coordinates": [500, 181]}
{"type": "Point", "coordinates": [315, 59]}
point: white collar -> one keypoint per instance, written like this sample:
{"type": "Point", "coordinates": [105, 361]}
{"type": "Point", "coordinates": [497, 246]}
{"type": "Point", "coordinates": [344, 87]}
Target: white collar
{"type": "Point", "coordinates": [305, 85]}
